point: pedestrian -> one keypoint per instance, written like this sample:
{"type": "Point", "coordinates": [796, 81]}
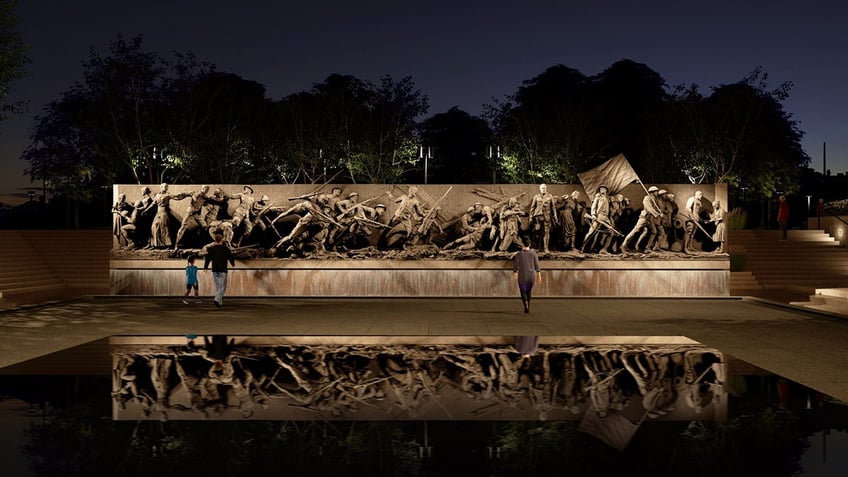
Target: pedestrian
{"type": "Point", "coordinates": [526, 271]}
{"type": "Point", "coordinates": [783, 216]}
{"type": "Point", "coordinates": [191, 281]}
{"type": "Point", "coordinates": [219, 255]}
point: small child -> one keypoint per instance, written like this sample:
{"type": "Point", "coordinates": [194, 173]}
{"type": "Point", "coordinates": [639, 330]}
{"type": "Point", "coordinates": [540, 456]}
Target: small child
{"type": "Point", "coordinates": [191, 281]}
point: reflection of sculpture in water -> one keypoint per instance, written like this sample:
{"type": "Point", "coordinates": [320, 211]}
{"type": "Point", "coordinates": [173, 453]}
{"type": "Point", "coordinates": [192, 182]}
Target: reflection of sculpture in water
{"type": "Point", "coordinates": [223, 378]}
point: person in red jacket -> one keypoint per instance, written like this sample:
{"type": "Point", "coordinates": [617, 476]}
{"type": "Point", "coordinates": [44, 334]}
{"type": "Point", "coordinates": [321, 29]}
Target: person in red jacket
{"type": "Point", "coordinates": [783, 215]}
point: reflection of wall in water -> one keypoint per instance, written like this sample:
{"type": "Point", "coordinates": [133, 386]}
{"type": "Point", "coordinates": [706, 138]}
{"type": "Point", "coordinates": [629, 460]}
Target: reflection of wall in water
{"type": "Point", "coordinates": [434, 382]}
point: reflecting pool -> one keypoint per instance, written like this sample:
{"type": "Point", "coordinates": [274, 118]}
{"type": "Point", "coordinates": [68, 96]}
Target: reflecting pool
{"type": "Point", "coordinates": [237, 405]}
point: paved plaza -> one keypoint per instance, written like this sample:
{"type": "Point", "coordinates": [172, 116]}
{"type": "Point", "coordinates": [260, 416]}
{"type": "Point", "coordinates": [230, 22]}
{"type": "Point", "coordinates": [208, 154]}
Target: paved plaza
{"type": "Point", "coordinates": [802, 345]}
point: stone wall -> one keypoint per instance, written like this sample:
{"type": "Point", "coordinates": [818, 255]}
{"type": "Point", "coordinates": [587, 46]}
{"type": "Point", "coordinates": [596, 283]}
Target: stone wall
{"type": "Point", "coordinates": [467, 274]}
{"type": "Point", "coordinates": [394, 278]}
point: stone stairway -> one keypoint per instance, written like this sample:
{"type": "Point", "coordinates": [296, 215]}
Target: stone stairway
{"type": "Point", "coordinates": [833, 300]}
{"type": "Point", "coordinates": [45, 265]}
{"type": "Point", "coordinates": [24, 273]}
{"type": "Point", "coordinates": [790, 270]}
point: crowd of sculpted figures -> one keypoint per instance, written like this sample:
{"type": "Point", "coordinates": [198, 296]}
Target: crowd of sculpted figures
{"type": "Point", "coordinates": [221, 378]}
{"type": "Point", "coordinates": [341, 221]}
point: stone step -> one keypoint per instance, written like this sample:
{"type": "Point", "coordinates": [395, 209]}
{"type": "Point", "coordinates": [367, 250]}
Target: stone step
{"type": "Point", "coordinates": [832, 292]}
{"type": "Point", "coordinates": [26, 284]}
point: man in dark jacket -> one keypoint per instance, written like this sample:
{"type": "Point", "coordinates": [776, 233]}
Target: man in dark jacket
{"type": "Point", "coordinates": [219, 255]}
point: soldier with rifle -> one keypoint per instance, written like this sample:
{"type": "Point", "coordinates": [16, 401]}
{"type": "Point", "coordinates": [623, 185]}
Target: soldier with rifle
{"type": "Point", "coordinates": [692, 216]}
{"type": "Point", "coordinates": [599, 215]}
{"type": "Point", "coordinates": [646, 225]}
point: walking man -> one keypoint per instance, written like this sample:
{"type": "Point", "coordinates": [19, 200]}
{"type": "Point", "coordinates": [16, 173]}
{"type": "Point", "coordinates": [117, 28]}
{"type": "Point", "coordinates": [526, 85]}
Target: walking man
{"type": "Point", "coordinates": [526, 272]}
{"type": "Point", "coordinates": [219, 255]}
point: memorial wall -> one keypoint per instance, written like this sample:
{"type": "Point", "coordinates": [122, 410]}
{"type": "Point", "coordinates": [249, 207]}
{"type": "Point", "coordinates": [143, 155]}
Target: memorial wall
{"type": "Point", "coordinates": [423, 240]}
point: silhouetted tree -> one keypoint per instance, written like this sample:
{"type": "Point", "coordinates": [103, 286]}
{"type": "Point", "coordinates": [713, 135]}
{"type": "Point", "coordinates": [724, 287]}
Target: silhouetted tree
{"type": "Point", "coordinates": [462, 142]}
{"type": "Point", "coordinates": [546, 127]}
{"type": "Point", "coordinates": [740, 135]}
{"type": "Point", "coordinates": [12, 57]}
{"type": "Point", "coordinates": [630, 106]}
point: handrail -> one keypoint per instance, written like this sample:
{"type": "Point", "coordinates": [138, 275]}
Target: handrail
{"type": "Point", "coordinates": [835, 216]}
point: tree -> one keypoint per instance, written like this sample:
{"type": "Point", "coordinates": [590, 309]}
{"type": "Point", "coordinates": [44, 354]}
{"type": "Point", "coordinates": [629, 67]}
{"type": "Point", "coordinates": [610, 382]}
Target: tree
{"type": "Point", "coordinates": [462, 143]}
{"type": "Point", "coordinates": [631, 104]}
{"type": "Point", "coordinates": [390, 136]}
{"type": "Point", "coordinates": [545, 127]}
{"type": "Point", "coordinates": [102, 130]}
{"type": "Point", "coordinates": [216, 123]}
{"type": "Point", "coordinates": [351, 126]}
{"type": "Point", "coordinates": [740, 135]}
{"type": "Point", "coordinates": [13, 57]}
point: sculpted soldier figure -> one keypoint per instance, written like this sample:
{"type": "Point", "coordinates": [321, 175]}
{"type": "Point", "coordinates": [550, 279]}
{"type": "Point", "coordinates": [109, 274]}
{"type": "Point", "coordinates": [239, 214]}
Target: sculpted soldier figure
{"type": "Point", "coordinates": [408, 206]}
{"type": "Point", "coordinates": [664, 226]}
{"type": "Point", "coordinates": [242, 214]}
{"type": "Point", "coordinates": [693, 219]}
{"type": "Point", "coordinates": [310, 213]}
{"type": "Point", "coordinates": [195, 213]}
{"type": "Point", "coordinates": [543, 215]}
{"type": "Point", "coordinates": [612, 237]}
{"type": "Point", "coordinates": [646, 225]}
{"type": "Point", "coordinates": [509, 220]}
{"type": "Point", "coordinates": [566, 215]}
{"type": "Point", "coordinates": [345, 213]}
{"type": "Point", "coordinates": [408, 214]}
{"type": "Point", "coordinates": [599, 213]}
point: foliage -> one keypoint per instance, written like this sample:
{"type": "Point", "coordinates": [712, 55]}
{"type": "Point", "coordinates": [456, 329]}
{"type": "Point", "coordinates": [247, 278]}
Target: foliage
{"type": "Point", "coordinates": [736, 219]}
{"type": "Point", "coordinates": [13, 58]}
{"type": "Point", "coordinates": [837, 207]}
{"type": "Point", "coordinates": [136, 116]}
{"type": "Point", "coordinates": [462, 155]}
{"type": "Point", "coordinates": [739, 135]}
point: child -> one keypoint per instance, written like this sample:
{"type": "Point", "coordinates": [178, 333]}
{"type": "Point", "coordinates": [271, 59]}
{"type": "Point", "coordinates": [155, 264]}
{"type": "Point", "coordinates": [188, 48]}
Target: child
{"type": "Point", "coordinates": [191, 281]}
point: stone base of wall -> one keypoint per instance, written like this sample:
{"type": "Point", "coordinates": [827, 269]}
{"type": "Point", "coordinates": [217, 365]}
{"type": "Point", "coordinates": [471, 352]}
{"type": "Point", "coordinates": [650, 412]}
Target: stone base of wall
{"type": "Point", "coordinates": [393, 278]}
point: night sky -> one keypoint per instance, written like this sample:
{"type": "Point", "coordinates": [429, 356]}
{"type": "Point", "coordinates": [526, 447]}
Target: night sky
{"type": "Point", "coordinates": [458, 53]}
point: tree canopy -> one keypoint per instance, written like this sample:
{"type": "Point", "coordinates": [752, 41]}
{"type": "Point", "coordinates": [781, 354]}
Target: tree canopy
{"type": "Point", "coordinates": [137, 116]}
{"type": "Point", "coordinates": [13, 57]}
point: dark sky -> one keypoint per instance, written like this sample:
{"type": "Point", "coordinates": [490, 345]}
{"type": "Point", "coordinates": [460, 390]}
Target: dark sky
{"type": "Point", "coordinates": [459, 53]}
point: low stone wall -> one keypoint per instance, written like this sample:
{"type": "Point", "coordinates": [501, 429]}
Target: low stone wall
{"type": "Point", "coordinates": [836, 227]}
{"type": "Point", "coordinates": [430, 278]}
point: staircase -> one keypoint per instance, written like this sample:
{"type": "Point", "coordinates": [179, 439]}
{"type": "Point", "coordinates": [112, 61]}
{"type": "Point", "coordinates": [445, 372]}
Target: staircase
{"type": "Point", "coordinates": [787, 271]}
{"type": "Point", "coordinates": [834, 300]}
{"type": "Point", "coordinates": [45, 265]}
{"type": "Point", "coordinates": [24, 274]}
